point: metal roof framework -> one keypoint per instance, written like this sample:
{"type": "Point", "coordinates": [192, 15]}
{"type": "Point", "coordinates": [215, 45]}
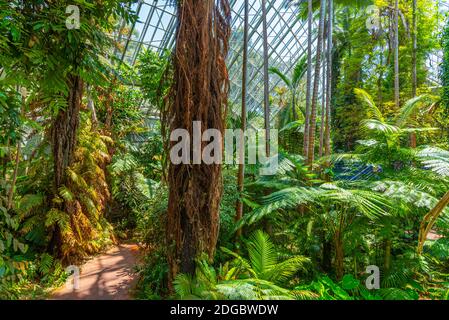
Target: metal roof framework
{"type": "Point", "coordinates": [287, 42]}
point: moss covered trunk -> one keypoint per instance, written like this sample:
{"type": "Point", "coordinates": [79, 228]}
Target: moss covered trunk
{"type": "Point", "coordinates": [63, 140]}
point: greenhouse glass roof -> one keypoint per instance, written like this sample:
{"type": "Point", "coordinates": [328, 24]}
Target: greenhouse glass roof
{"type": "Point", "coordinates": [287, 41]}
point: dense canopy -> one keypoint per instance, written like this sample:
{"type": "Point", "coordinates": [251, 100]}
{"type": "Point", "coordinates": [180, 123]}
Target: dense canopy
{"type": "Point", "coordinates": [224, 149]}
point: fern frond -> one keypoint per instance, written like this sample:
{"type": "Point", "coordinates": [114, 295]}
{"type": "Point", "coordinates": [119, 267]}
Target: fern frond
{"type": "Point", "coordinates": [261, 253]}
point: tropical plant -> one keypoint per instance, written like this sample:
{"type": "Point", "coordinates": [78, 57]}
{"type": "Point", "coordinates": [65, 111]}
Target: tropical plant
{"type": "Point", "coordinates": [258, 278]}
{"type": "Point", "coordinates": [385, 135]}
{"type": "Point", "coordinates": [436, 160]}
{"type": "Point", "coordinates": [292, 83]}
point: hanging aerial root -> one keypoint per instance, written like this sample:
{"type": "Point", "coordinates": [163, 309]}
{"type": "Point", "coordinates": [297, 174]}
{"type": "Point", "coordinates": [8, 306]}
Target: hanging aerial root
{"type": "Point", "coordinates": [198, 93]}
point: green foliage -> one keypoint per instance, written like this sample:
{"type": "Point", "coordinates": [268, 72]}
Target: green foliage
{"type": "Point", "coordinates": [155, 76]}
{"type": "Point", "coordinates": [258, 278]}
{"type": "Point", "coordinates": [116, 183]}
{"type": "Point", "coordinates": [227, 208]}
{"type": "Point", "coordinates": [263, 264]}
{"type": "Point", "coordinates": [364, 59]}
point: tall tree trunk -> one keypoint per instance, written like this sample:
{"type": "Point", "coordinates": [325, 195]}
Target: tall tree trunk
{"type": "Point", "coordinates": [313, 109]}
{"type": "Point", "coordinates": [63, 140]}
{"type": "Point", "coordinates": [309, 78]}
{"type": "Point", "coordinates": [414, 65]}
{"type": "Point", "coordinates": [387, 257]}
{"type": "Point", "coordinates": [327, 134]}
{"type": "Point", "coordinates": [109, 105]}
{"type": "Point", "coordinates": [324, 93]}
{"type": "Point", "coordinates": [14, 177]}
{"type": "Point", "coordinates": [396, 54]}
{"type": "Point", "coordinates": [266, 93]}
{"type": "Point", "coordinates": [6, 157]}
{"type": "Point", "coordinates": [109, 110]}
{"type": "Point", "coordinates": [414, 50]}
{"type": "Point", "coordinates": [294, 114]}
{"type": "Point", "coordinates": [241, 172]}
{"type": "Point", "coordinates": [64, 129]}
{"type": "Point", "coordinates": [198, 93]}
{"type": "Point", "coordinates": [16, 162]}
{"type": "Point", "coordinates": [91, 107]}
{"type": "Point", "coordinates": [266, 97]}
{"type": "Point", "coordinates": [379, 81]}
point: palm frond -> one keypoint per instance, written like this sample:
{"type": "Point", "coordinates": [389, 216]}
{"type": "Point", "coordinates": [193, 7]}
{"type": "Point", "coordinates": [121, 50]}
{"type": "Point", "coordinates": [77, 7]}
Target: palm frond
{"type": "Point", "coordinates": [366, 98]}
{"type": "Point", "coordinates": [281, 75]}
{"type": "Point", "coordinates": [435, 159]}
{"type": "Point", "coordinates": [284, 270]}
{"type": "Point", "coordinates": [369, 203]}
{"type": "Point", "coordinates": [299, 71]}
{"type": "Point", "coordinates": [285, 199]}
{"type": "Point", "coordinates": [380, 126]}
{"type": "Point", "coordinates": [409, 109]}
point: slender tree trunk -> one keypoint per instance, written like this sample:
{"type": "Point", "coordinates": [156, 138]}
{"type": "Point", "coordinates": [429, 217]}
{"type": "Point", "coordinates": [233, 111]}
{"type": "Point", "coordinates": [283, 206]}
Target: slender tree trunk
{"type": "Point", "coordinates": [324, 93]}
{"type": "Point", "coordinates": [266, 93]}
{"type": "Point", "coordinates": [91, 107]}
{"type": "Point", "coordinates": [396, 54]}
{"type": "Point", "coordinates": [294, 114]}
{"type": "Point", "coordinates": [16, 163]}
{"type": "Point", "coordinates": [413, 142]}
{"type": "Point", "coordinates": [309, 78]}
{"type": "Point", "coordinates": [414, 65]}
{"type": "Point", "coordinates": [14, 177]}
{"type": "Point", "coordinates": [327, 135]}
{"type": "Point", "coordinates": [414, 50]}
{"type": "Point", "coordinates": [266, 88]}
{"type": "Point", "coordinates": [109, 106]}
{"type": "Point", "coordinates": [241, 172]}
{"type": "Point", "coordinates": [5, 158]}
{"type": "Point", "coordinates": [313, 109]}
{"type": "Point", "coordinates": [379, 81]}
{"type": "Point", "coordinates": [198, 93]}
{"type": "Point", "coordinates": [387, 258]}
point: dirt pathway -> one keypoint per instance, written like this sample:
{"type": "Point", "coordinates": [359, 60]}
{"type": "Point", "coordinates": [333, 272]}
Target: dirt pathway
{"type": "Point", "coordinates": [108, 276]}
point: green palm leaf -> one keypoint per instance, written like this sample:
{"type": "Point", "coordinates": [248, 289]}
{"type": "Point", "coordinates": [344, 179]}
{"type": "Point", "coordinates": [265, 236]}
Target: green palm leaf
{"type": "Point", "coordinates": [281, 75]}
{"type": "Point", "coordinates": [408, 109]}
{"type": "Point", "coordinates": [381, 127]}
{"type": "Point", "coordinates": [366, 98]}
